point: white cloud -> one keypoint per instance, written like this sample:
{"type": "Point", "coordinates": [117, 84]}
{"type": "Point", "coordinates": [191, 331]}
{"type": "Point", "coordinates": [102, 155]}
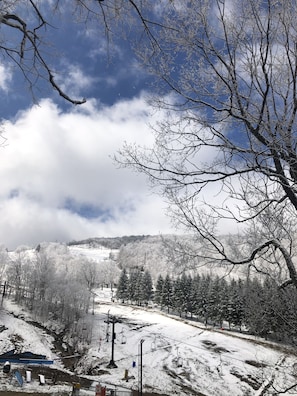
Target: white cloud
{"type": "Point", "coordinates": [53, 158]}
{"type": "Point", "coordinates": [5, 77]}
{"type": "Point", "coordinates": [74, 80]}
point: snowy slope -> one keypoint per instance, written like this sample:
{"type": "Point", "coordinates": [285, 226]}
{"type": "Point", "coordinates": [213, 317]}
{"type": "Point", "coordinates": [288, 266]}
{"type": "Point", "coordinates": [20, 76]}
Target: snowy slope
{"type": "Point", "coordinates": [95, 254]}
{"type": "Point", "coordinates": [184, 358]}
{"type": "Point", "coordinates": [178, 357]}
{"type": "Point", "coordinates": [17, 334]}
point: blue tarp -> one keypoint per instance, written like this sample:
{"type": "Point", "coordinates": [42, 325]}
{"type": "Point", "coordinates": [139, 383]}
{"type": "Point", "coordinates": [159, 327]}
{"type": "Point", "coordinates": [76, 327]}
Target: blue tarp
{"type": "Point", "coordinates": [24, 357]}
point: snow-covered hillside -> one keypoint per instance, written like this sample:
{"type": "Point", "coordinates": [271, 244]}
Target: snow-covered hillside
{"type": "Point", "coordinates": [178, 357]}
{"type": "Point", "coordinates": [98, 254]}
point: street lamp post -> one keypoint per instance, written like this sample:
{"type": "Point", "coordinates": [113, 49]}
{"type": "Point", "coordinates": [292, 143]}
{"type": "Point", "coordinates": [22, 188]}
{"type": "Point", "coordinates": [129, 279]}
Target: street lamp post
{"type": "Point", "coordinates": [140, 368]}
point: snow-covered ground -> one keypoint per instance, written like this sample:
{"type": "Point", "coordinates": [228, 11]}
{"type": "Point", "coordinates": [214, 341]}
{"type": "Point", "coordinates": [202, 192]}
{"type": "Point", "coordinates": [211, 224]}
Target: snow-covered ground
{"type": "Point", "coordinates": [21, 336]}
{"type": "Point", "coordinates": [178, 357]}
{"type": "Point", "coordinates": [96, 254]}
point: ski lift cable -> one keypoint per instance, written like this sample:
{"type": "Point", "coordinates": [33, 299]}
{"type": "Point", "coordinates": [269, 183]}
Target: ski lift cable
{"type": "Point", "coordinates": [200, 348]}
{"type": "Point", "coordinates": [178, 342]}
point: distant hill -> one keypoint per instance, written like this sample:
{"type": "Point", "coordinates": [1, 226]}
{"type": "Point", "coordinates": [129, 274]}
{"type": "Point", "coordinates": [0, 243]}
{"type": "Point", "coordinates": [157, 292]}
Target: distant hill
{"type": "Point", "coordinates": [160, 255]}
{"type": "Point", "coordinates": [109, 243]}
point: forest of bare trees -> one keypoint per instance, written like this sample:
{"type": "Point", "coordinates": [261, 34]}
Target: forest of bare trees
{"type": "Point", "coordinates": [56, 287]}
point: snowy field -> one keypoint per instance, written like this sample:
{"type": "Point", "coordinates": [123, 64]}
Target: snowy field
{"type": "Point", "coordinates": [178, 357]}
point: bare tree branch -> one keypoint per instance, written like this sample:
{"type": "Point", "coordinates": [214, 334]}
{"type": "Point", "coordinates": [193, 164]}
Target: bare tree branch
{"type": "Point", "coordinates": [229, 125]}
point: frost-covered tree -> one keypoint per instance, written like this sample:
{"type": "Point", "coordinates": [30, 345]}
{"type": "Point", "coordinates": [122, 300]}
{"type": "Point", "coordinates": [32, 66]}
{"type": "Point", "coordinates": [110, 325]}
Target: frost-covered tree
{"type": "Point", "coordinates": [3, 262]}
{"type": "Point", "coordinates": [49, 281]}
{"type": "Point", "coordinates": [27, 25]}
{"type": "Point", "coordinates": [40, 279]}
{"type": "Point", "coordinates": [147, 253]}
{"type": "Point", "coordinates": [17, 271]}
{"type": "Point", "coordinates": [109, 272]}
{"type": "Point", "coordinates": [90, 273]}
{"type": "Point", "coordinates": [225, 147]}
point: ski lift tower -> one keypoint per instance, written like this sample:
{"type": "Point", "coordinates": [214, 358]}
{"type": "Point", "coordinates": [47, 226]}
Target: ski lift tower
{"type": "Point", "coordinates": [113, 321]}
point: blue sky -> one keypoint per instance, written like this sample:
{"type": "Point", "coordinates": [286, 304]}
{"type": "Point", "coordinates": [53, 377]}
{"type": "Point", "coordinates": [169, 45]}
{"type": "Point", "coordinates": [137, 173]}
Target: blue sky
{"type": "Point", "coordinates": [58, 179]}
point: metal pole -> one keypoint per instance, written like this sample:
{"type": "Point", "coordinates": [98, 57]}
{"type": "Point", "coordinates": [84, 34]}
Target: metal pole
{"type": "Point", "coordinates": [113, 336]}
{"type": "Point", "coordinates": [112, 342]}
{"type": "Point", "coordinates": [140, 377]}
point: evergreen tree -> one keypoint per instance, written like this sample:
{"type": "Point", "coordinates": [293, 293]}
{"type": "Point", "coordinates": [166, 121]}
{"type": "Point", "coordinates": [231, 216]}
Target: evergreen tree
{"type": "Point", "coordinates": [159, 290]}
{"type": "Point", "coordinates": [254, 307]}
{"type": "Point", "coordinates": [213, 300]}
{"type": "Point", "coordinates": [222, 301]}
{"type": "Point", "coordinates": [200, 291]}
{"type": "Point", "coordinates": [202, 309]}
{"type": "Point", "coordinates": [181, 294]}
{"type": "Point", "coordinates": [235, 309]}
{"type": "Point", "coordinates": [177, 298]}
{"type": "Point", "coordinates": [270, 320]}
{"type": "Point", "coordinates": [147, 287]}
{"type": "Point", "coordinates": [122, 289]}
{"type": "Point", "coordinates": [194, 295]}
{"type": "Point", "coordinates": [135, 286]}
{"type": "Point", "coordinates": [139, 286]}
{"type": "Point", "coordinates": [287, 315]}
{"type": "Point", "coordinates": [167, 293]}
{"type": "Point", "coordinates": [132, 287]}
{"type": "Point", "coordinates": [188, 295]}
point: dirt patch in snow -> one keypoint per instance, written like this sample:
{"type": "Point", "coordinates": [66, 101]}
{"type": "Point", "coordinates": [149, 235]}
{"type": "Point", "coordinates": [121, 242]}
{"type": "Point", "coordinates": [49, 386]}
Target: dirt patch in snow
{"type": "Point", "coordinates": [248, 379]}
{"type": "Point", "coordinates": [255, 364]}
{"type": "Point", "coordinates": [213, 346]}
{"type": "Point", "coordinates": [181, 384]}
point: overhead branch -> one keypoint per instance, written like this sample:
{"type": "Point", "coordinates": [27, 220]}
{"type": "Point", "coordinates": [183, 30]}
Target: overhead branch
{"type": "Point", "coordinates": [30, 42]}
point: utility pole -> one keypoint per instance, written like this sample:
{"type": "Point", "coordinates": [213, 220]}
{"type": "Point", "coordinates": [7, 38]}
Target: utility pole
{"type": "Point", "coordinates": [140, 368]}
{"type": "Point", "coordinates": [107, 327]}
{"type": "Point", "coordinates": [4, 289]}
{"type": "Point", "coordinates": [113, 321]}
